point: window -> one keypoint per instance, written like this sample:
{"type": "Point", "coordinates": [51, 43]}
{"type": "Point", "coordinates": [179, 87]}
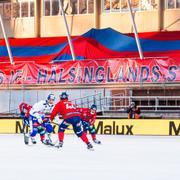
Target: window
{"type": "Point", "coordinates": [172, 4]}
{"type": "Point", "coordinates": [148, 4]}
{"type": "Point", "coordinates": [24, 9]}
{"type": "Point", "coordinates": [31, 8]}
{"type": "Point", "coordinates": [51, 7]}
{"type": "Point", "coordinates": [178, 4]}
{"type": "Point", "coordinates": [90, 6]}
{"type": "Point", "coordinates": [1, 9]}
{"type": "Point", "coordinates": [122, 5]}
{"type": "Point", "coordinates": [47, 7]}
{"type": "Point", "coordinates": [106, 5]}
{"type": "Point", "coordinates": [115, 5]}
{"type": "Point", "coordinates": [82, 6]}
{"type": "Point", "coordinates": [135, 4]}
{"type": "Point", "coordinates": [15, 10]}
{"type": "Point", "coordinates": [74, 6]}
{"type": "Point", "coordinates": [7, 10]}
{"type": "Point", "coordinates": [55, 7]}
{"type": "Point", "coordinates": [21, 8]}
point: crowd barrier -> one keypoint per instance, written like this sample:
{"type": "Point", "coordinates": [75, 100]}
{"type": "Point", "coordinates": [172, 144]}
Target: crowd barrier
{"type": "Point", "coordinates": [165, 127]}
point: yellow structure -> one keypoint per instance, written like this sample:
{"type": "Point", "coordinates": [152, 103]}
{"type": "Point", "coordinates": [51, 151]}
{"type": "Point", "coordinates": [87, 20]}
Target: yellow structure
{"type": "Point", "coordinates": [42, 18]}
{"type": "Point", "coordinates": [147, 127]}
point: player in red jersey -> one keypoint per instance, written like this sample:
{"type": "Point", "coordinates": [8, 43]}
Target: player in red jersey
{"type": "Point", "coordinates": [88, 117]}
{"type": "Point", "coordinates": [24, 110]}
{"type": "Point", "coordinates": [71, 116]}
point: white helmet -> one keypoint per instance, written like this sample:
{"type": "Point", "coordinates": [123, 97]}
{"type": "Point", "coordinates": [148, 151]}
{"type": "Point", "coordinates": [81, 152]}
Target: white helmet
{"type": "Point", "coordinates": [51, 97]}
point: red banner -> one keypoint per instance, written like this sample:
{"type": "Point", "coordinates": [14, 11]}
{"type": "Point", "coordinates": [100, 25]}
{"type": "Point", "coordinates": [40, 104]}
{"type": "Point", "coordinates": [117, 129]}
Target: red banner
{"type": "Point", "coordinates": [92, 72]}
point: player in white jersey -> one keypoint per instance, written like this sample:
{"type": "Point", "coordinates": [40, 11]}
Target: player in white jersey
{"type": "Point", "coordinates": [38, 122]}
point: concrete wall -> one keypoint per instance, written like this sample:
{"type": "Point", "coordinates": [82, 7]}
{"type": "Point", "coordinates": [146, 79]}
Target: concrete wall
{"type": "Point", "coordinates": [23, 27]}
{"type": "Point", "coordinates": [146, 21]}
{"type": "Point", "coordinates": [172, 20]}
{"type": "Point", "coordinates": [122, 22]}
{"type": "Point", "coordinates": [8, 28]}
{"type": "Point", "coordinates": [54, 25]}
{"type": "Point", "coordinates": [19, 28]}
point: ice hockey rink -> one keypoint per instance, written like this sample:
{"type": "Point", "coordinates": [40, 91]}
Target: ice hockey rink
{"type": "Point", "coordinates": [118, 158]}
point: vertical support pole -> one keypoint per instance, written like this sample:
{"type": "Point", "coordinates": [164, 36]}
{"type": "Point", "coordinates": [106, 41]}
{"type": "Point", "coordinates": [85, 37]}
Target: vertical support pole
{"type": "Point", "coordinates": [37, 17]}
{"type": "Point", "coordinates": [96, 13]}
{"type": "Point", "coordinates": [67, 30]}
{"type": "Point", "coordinates": [160, 5]}
{"type": "Point", "coordinates": [6, 41]}
{"type": "Point", "coordinates": [135, 31]}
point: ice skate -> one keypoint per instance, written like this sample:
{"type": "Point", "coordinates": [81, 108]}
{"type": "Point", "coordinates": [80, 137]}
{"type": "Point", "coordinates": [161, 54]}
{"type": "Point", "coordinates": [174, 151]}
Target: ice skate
{"type": "Point", "coordinates": [26, 139]}
{"type": "Point", "coordinates": [33, 140]}
{"type": "Point", "coordinates": [47, 142]}
{"type": "Point", "coordinates": [96, 141]}
{"type": "Point", "coordinates": [59, 144]}
{"type": "Point", "coordinates": [90, 147]}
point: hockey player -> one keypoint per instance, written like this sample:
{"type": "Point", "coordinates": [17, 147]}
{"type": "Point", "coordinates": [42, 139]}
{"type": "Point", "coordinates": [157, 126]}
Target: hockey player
{"type": "Point", "coordinates": [38, 123]}
{"type": "Point", "coordinates": [24, 109]}
{"type": "Point", "coordinates": [88, 117]}
{"type": "Point", "coordinates": [24, 113]}
{"type": "Point", "coordinates": [71, 116]}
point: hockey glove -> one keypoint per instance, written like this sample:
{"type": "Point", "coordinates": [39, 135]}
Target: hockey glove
{"type": "Point", "coordinates": [22, 114]}
{"type": "Point", "coordinates": [40, 121]}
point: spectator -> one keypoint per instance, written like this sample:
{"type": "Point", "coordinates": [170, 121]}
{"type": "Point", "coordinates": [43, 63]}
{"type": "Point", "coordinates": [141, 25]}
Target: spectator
{"type": "Point", "coordinates": [133, 111]}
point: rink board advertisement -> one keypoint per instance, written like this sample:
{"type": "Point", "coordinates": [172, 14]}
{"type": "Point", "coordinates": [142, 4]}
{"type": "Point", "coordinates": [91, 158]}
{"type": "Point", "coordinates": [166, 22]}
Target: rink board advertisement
{"type": "Point", "coordinates": [110, 127]}
{"type": "Point", "coordinates": [151, 70]}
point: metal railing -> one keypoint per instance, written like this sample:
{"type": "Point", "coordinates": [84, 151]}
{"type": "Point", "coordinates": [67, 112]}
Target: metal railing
{"type": "Point", "coordinates": [87, 101]}
{"type": "Point", "coordinates": [147, 103]}
{"type": "Point", "coordinates": [118, 104]}
{"type": "Point", "coordinates": [150, 106]}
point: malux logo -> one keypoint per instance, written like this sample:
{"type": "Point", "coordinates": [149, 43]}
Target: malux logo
{"type": "Point", "coordinates": [19, 128]}
{"type": "Point", "coordinates": [114, 129]}
{"type": "Point", "coordinates": [174, 129]}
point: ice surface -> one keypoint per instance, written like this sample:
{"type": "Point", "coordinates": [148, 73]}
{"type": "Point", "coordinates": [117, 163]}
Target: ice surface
{"type": "Point", "coordinates": [118, 158]}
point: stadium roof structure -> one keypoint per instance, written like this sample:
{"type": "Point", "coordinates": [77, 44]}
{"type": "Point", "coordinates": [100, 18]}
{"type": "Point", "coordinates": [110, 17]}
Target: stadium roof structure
{"type": "Point", "coordinates": [108, 43]}
{"type": "Point", "coordinates": [94, 44]}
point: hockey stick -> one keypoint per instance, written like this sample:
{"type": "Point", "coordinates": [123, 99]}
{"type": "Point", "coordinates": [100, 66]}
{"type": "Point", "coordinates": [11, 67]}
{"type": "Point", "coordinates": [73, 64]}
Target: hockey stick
{"type": "Point", "coordinates": [26, 137]}
{"type": "Point", "coordinates": [59, 124]}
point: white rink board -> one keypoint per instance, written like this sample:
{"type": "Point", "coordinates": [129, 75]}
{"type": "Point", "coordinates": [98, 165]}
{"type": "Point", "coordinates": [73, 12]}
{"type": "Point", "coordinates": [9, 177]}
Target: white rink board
{"type": "Point", "coordinates": [118, 158]}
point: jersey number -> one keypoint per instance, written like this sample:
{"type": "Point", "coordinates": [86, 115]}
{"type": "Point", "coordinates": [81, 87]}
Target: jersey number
{"type": "Point", "coordinates": [70, 106]}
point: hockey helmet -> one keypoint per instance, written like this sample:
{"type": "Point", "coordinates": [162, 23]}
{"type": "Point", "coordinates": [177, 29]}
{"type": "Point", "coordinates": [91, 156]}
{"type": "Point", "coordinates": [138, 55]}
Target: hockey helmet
{"type": "Point", "coordinates": [94, 107]}
{"type": "Point", "coordinates": [51, 97]}
{"type": "Point", "coordinates": [132, 104]}
{"type": "Point", "coordinates": [64, 95]}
